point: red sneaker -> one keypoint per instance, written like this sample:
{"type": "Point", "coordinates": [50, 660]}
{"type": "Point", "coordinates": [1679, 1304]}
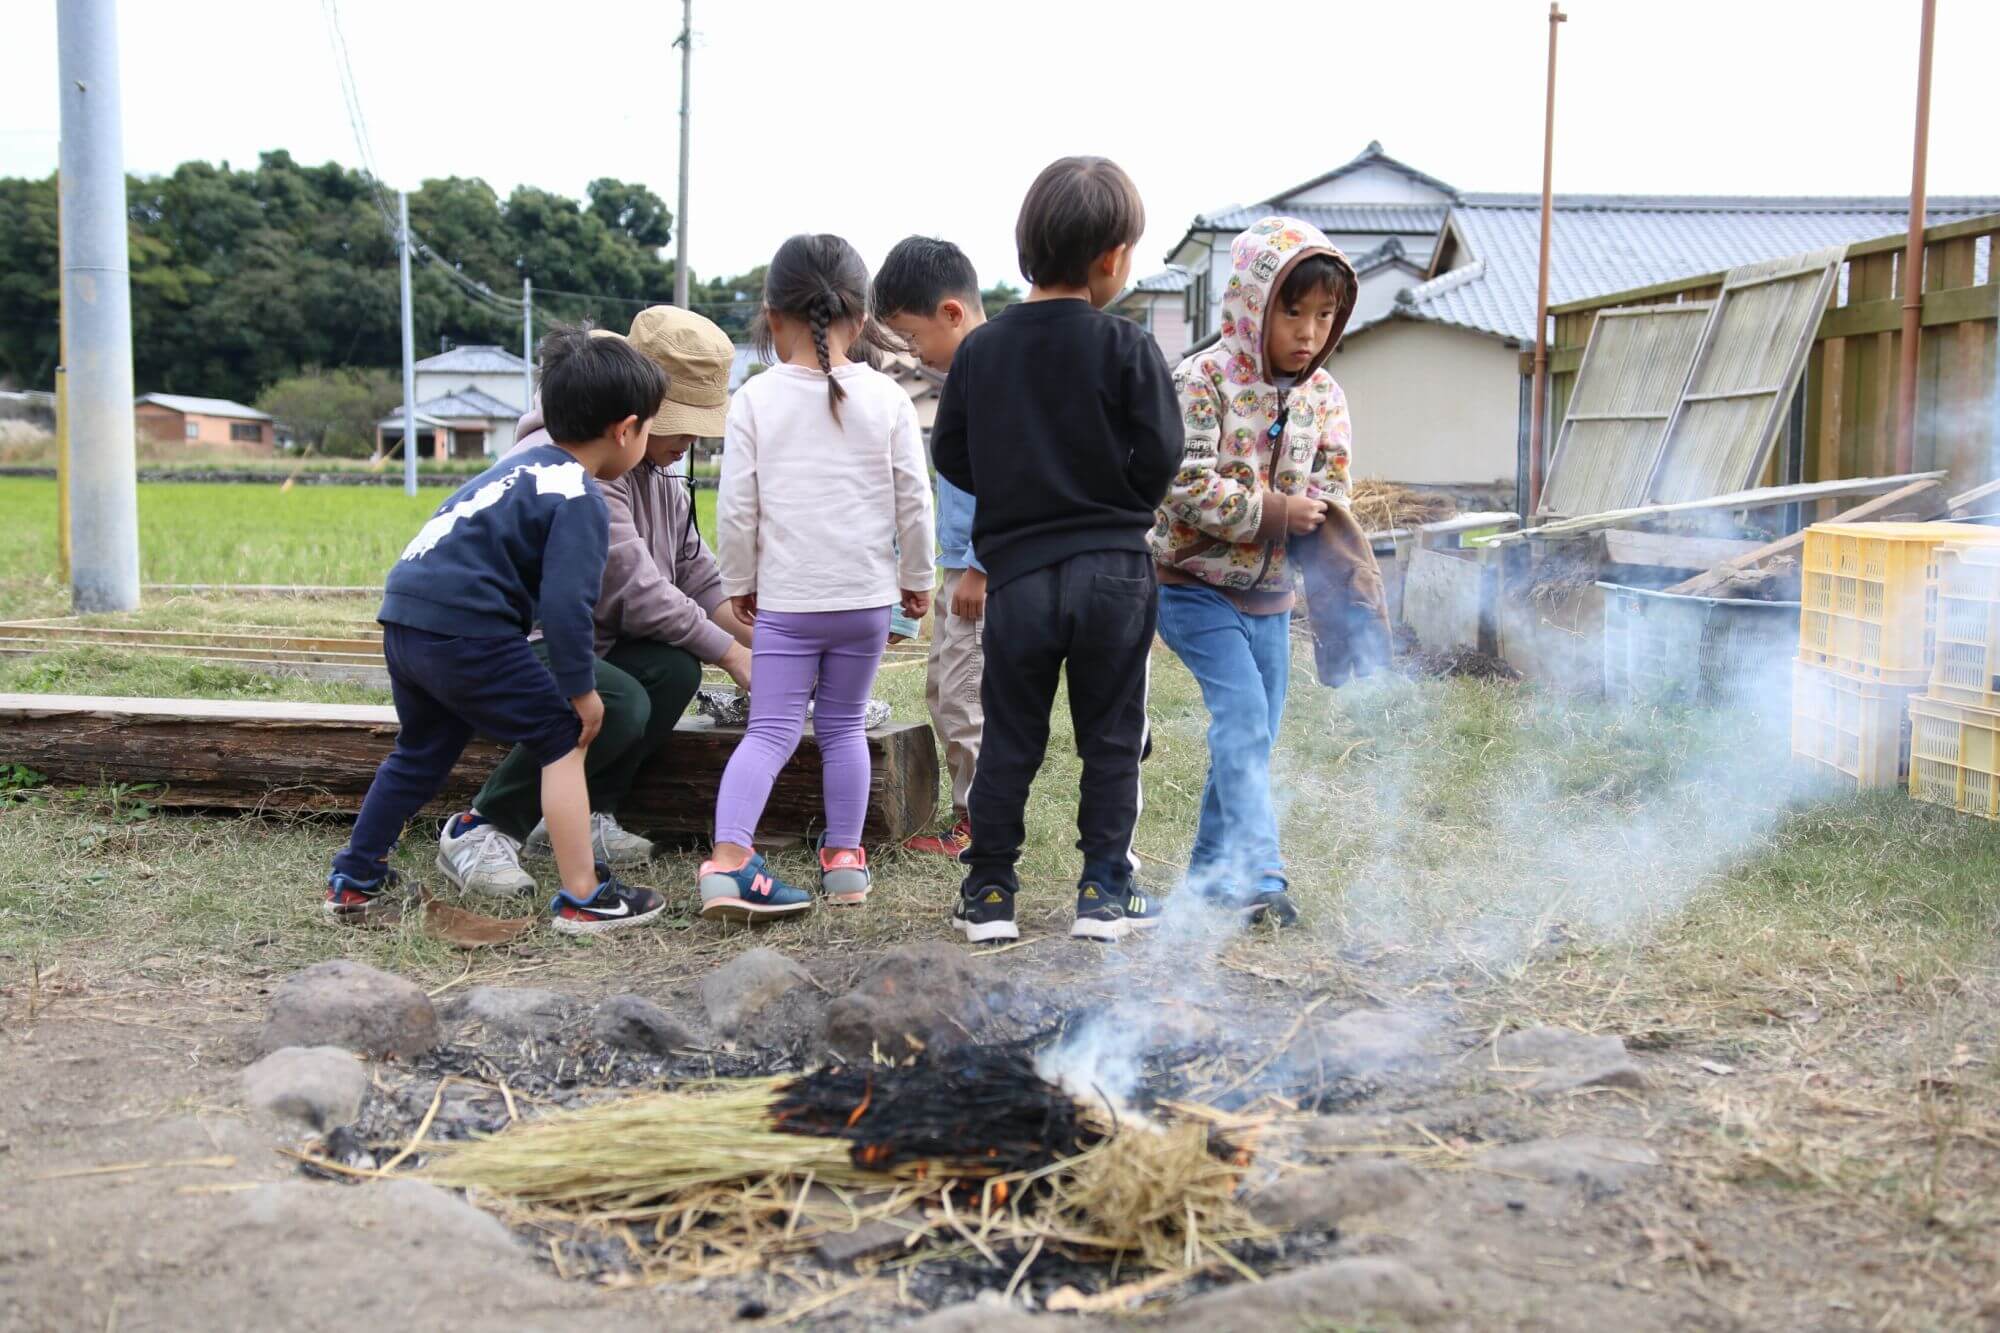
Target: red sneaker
{"type": "Point", "coordinates": [951, 842]}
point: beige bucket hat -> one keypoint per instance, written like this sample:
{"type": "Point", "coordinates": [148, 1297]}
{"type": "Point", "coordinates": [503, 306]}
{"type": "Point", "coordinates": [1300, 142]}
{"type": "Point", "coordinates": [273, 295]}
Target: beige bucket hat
{"type": "Point", "coordinates": [696, 356]}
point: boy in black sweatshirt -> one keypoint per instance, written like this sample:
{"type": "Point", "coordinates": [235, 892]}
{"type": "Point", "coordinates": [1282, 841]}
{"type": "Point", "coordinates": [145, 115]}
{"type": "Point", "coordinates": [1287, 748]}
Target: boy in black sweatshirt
{"type": "Point", "coordinates": [525, 540]}
{"type": "Point", "coordinates": [1062, 421]}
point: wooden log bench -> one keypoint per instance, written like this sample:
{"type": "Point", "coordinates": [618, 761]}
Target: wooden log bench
{"type": "Point", "coordinates": [321, 757]}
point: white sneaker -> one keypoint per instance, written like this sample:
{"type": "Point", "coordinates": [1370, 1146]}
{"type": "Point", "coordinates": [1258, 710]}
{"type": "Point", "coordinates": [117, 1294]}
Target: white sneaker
{"type": "Point", "coordinates": [609, 842]}
{"type": "Point", "coordinates": [483, 860]}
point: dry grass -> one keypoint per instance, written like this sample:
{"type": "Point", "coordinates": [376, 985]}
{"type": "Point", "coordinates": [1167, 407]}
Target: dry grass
{"type": "Point", "coordinates": [1382, 505]}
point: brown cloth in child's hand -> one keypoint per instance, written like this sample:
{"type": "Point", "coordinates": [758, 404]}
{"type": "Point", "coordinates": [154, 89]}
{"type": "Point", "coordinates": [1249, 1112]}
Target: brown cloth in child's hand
{"type": "Point", "coordinates": [1345, 604]}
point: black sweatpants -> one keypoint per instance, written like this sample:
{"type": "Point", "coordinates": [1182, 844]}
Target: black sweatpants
{"type": "Point", "coordinates": [1093, 613]}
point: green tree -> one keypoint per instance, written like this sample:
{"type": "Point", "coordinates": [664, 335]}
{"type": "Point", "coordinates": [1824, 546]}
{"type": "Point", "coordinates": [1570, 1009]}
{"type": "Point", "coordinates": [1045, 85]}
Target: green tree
{"type": "Point", "coordinates": [632, 209]}
{"type": "Point", "coordinates": [998, 297]}
{"type": "Point", "coordinates": [333, 412]}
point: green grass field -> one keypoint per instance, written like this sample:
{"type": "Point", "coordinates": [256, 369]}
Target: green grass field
{"type": "Point", "coordinates": [196, 533]}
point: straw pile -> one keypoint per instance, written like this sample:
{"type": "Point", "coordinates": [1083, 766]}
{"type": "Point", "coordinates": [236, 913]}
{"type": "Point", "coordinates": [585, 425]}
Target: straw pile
{"type": "Point", "coordinates": [725, 1177]}
{"type": "Point", "coordinates": [1381, 505]}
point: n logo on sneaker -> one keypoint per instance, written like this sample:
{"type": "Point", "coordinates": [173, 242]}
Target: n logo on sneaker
{"type": "Point", "coordinates": [761, 886]}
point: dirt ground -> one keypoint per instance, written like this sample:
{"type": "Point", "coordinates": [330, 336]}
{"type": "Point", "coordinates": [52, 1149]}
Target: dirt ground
{"type": "Point", "coordinates": [142, 1195]}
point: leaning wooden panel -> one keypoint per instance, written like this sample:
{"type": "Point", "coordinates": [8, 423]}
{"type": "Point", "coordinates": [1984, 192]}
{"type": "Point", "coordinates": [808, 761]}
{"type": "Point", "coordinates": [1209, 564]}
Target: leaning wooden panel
{"type": "Point", "coordinates": [321, 757]}
{"type": "Point", "coordinates": [1634, 368]}
{"type": "Point", "coordinates": [1723, 429]}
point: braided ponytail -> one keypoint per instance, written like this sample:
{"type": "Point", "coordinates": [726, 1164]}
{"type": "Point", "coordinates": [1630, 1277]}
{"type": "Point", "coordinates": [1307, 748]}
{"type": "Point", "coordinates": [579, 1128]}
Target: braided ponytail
{"type": "Point", "coordinates": [820, 281]}
{"type": "Point", "coordinates": [818, 319]}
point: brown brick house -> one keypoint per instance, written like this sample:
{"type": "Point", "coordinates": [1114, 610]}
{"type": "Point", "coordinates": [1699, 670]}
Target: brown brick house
{"type": "Point", "coordinates": [208, 423]}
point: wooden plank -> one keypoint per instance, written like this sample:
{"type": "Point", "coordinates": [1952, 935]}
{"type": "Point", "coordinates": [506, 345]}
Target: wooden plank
{"type": "Point", "coordinates": [1967, 501]}
{"type": "Point", "coordinates": [1672, 551]}
{"type": "Point", "coordinates": [1761, 497]}
{"type": "Point", "coordinates": [1832, 404]}
{"type": "Point", "coordinates": [1924, 499]}
{"type": "Point", "coordinates": [321, 757]}
{"type": "Point", "coordinates": [1435, 534]}
{"type": "Point", "coordinates": [1893, 244]}
{"type": "Point", "coordinates": [1885, 315]}
{"type": "Point", "coordinates": [1447, 600]}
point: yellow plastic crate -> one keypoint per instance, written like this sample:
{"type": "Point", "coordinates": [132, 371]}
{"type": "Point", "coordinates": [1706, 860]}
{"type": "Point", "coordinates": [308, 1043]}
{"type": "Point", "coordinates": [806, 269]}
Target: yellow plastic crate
{"type": "Point", "coordinates": [1965, 663]}
{"type": "Point", "coordinates": [1955, 756]}
{"type": "Point", "coordinates": [1850, 724]}
{"type": "Point", "coordinates": [1867, 605]}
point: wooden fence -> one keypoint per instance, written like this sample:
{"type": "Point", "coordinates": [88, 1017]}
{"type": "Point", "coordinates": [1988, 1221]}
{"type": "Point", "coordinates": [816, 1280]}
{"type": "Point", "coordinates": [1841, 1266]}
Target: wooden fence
{"type": "Point", "coordinates": [1843, 420]}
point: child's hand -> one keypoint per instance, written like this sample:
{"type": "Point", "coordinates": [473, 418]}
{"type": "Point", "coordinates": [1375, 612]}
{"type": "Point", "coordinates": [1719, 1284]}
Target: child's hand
{"type": "Point", "coordinates": [1303, 514]}
{"type": "Point", "coordinates": [968, 599]}
{"type": "Point", "coordinates": [745, 608]}
{"type": "Point", "coordinates": [590, 708]}
{"type": "Point", "coordinates": [916, 605]}
{"type": "Point", "coordinates": [737, 663]}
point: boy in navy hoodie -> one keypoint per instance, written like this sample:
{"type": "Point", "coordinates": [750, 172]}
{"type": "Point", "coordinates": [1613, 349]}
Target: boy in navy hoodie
{"type": "Point", "coordinates": [524, 541]}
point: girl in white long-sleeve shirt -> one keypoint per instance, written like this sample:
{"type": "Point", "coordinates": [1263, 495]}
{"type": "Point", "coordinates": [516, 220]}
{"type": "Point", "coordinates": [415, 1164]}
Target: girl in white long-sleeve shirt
{"type": "Point", "coordinates": [823, 525]}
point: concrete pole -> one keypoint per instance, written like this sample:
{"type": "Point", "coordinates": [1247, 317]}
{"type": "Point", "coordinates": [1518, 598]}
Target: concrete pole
{"type": "Point", "coordinates": [97, 300]}
{"type": "Point", "coordinates": [686, 44]}
{"type": "Point", "coordinates": [527, 344]}
{"type": "Point", "coordinates": [409, 349]}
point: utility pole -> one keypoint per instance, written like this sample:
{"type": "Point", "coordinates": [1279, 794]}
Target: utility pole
{"type": "Point", "coordinates": [1540, 407]}
{"type": "Point", "coordinates": [527, 344]}
{"type": "Point", "coordinates": [62, 409]}
{"type": "Point", "coordinates": [97, 300]}
{"type": "Point", "coordinates": [1913, 256]}
{"type": "Point", "coordinates": [686, 44]}
{"type": "Point", "coordinates": [409, 349]}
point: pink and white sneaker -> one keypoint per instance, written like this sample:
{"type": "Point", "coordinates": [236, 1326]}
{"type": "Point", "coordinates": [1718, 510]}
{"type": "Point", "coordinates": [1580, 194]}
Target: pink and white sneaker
{"type": "Point", "coordinates": [844, 877]}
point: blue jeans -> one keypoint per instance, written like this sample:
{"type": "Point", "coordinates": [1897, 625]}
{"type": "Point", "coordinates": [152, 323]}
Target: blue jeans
{"type": "Point", "coordinates": [1242, 663]}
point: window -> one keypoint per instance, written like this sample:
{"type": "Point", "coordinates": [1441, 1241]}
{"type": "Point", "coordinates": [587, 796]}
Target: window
{"type": "Point", "coordinates": [246, 430]}
{"type": "Point", "coordinates": [194, 430]}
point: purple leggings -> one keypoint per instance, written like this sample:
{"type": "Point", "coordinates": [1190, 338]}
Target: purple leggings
{"type": "Point", "coordinates": [792, 649]}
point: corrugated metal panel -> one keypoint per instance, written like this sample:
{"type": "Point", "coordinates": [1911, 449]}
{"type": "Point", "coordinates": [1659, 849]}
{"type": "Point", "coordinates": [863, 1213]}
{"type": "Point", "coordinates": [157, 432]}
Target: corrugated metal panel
{"type": "Point", "coordinates": [1742, 383]}
{"type": "Point", "coordinates": [1634, 369]}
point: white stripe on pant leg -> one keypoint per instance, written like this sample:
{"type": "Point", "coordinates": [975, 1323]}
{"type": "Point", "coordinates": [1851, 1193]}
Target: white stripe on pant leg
{"type": "Point", "coordinates": [1139, 770]}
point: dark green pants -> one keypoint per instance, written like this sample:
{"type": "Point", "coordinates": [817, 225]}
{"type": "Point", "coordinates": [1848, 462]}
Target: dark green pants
{"type": "Point", "coordinates": [646, 686]}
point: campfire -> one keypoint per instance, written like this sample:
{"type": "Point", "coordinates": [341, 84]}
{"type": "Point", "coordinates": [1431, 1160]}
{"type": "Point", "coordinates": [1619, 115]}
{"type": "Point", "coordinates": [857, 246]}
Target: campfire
{"type": "Point", "coordinates": [969, 1148]}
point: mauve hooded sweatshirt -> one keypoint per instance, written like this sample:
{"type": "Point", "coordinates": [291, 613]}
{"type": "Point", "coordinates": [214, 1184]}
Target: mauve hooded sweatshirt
{"type": "Point", "coordinates": [660, 580]}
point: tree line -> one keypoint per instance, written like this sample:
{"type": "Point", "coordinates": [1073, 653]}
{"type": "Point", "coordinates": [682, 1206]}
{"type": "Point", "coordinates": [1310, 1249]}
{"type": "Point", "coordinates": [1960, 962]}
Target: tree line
{"type": "Point", "coordinates": [243, 279]}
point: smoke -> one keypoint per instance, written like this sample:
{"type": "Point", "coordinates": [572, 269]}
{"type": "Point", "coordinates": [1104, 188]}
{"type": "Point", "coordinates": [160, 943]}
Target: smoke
{"type": "Point", "coordinates": [1438, 829]}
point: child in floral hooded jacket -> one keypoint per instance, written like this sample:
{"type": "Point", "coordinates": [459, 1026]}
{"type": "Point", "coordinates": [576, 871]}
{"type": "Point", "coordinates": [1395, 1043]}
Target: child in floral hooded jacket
{"type": "Point", "coordinates": [1268, 441]}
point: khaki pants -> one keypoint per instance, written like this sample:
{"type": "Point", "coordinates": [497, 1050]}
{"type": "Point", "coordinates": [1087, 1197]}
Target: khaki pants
{"type": "Point", "coordinates": [951, 688]}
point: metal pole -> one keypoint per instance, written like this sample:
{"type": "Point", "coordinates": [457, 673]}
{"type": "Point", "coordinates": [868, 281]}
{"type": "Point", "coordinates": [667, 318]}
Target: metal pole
{"type": "Point", "coordinates": [527, 344]}
{"type": "Point", "coordinates": [1913, 257]}
{"type": "Point", "coordinates": [1539, 423]}
{"type": "Point", "coordinates": [62, 409]}
{"type": "Point", "coordinates": [686, 44]}
{"type": "Point", "coordinates": [409, 349]}
{"type": "Point", "coordinates": [97, 296]}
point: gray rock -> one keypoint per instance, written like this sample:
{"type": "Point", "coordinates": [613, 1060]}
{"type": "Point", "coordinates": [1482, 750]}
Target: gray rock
{"type": "Point", "coordinates": [1598, 1164]}
{"type": "Point", "coordinates": [635, 1023]}
{"type": "Point", "coordinates": [1352, 1290]}
{"type": "Point", "coordinates": [987, 1317]}
{"type": "Point", "coordinates": [1362, 1041]}
{"type": "Point", "coordinates": [1568, 1060]}
{"type": "Point", "coordinates": [930, 995]}
{"type": "Point", "coordinates": [320, 1085]}
{"type": "Point", "coordinates": [513, 1011]}
{"type": "Point", "coordinates": [735, 993]}
{"type": "Point", "coordinates": [351, 1005]}
{"type": "Point", "coordinates": [1322, 1199]}
{"type": "Point", "coordinates": [428, 1215]}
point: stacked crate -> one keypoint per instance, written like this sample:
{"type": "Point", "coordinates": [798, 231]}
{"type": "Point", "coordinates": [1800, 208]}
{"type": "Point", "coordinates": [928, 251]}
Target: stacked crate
{"type": "Point", "coordinates": [1955, 725]}
{"type": "Point", "coordinates": [1868, 622]}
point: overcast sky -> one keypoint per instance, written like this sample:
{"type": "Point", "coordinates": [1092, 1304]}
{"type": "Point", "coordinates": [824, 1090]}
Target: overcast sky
{"type": "Point", "coordinates": [876, 119]}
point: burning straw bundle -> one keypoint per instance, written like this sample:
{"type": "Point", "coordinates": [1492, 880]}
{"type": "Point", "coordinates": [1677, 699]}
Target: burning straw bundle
{"type": "Point", "coordinates": [731, 1168]}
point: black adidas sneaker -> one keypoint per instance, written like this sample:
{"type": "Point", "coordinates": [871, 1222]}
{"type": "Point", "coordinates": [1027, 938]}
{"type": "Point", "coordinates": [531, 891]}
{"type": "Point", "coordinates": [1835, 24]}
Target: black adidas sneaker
{"type": "Point", "coordinates": [1100, 912]}
{"type": "Point", "coordinates": [985, 912]}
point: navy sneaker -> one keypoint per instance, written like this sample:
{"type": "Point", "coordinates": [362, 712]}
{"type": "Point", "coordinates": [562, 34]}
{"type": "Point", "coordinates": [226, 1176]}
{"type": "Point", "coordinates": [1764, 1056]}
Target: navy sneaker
{"type": "Point", "coordinates": [751, 893]}
{"type": "Point", "coordinates": [615, 906]}
{"type": "Point", "coordinates": [1142, 910]}
{"type": "Point", "coordinates": [354, 902]}
{"type": "Point", "coordinates": [1100, 911]}
{"type": "Point", "coordinates": [1270, 901]}
{"type": "Point", "coordinates": [985, 910]}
